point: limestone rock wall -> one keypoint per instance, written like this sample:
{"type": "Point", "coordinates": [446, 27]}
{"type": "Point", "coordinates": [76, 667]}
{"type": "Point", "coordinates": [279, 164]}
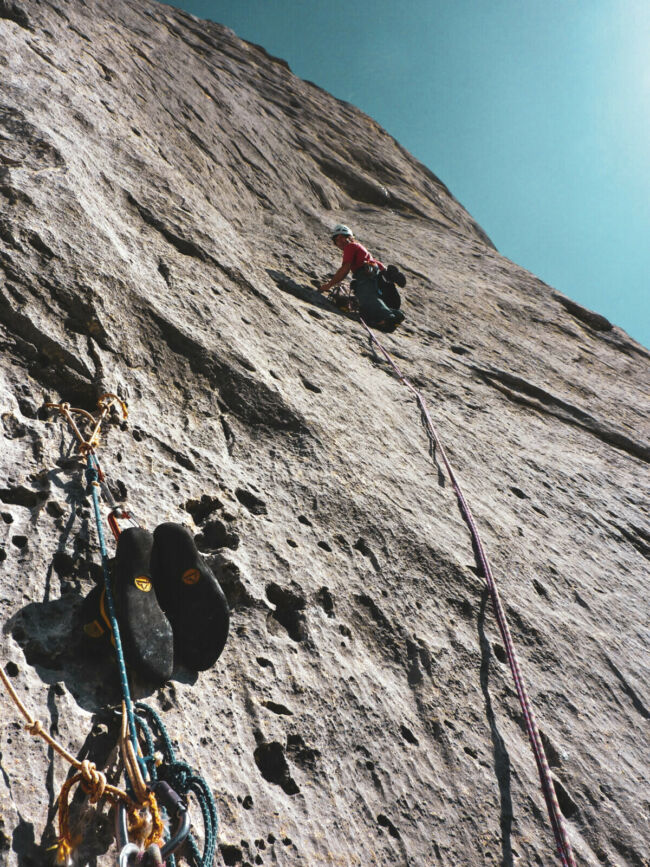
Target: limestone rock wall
{"type": "Point", "coordinates": [166, 192]}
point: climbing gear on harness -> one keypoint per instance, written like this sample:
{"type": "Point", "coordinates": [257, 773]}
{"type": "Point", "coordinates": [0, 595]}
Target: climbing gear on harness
{"type": "Point", "coordinates": [190, 596]}
{"type": "Point", "coordinates": [343, 298]}
{"type": "Point", "coordinates": [555, 815]}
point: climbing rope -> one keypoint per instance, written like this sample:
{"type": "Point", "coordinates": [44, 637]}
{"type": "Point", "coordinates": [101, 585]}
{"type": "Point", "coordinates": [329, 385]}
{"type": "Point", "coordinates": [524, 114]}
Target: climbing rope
{"type": "Point", "coordinates": [91, 780]}
{"type": "Point", "coordinates": [183, 780]}
{"type": "Point", "coordinates": [93, 489]}
{"type": "Point", "coordinates": [555, 815]}
{"type": "Point", "coordinates": [178, 779]}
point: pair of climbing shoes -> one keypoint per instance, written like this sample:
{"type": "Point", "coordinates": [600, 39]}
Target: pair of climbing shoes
{"type": "Point", "coordinates": [169, 605]}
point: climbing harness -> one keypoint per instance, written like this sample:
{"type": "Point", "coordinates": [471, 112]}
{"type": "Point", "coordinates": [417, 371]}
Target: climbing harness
{"type": "Point", "coordinates": [564, 850]}
{"type": "Point", "coordinates": [137, 812]}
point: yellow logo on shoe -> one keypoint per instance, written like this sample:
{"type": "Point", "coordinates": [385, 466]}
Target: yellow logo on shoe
{"type": "Point", "coordinates": [94, 629]}
{"type": "Point", "coordinates": [191, 576]}
{"type": "Point", "coordinates": [143, 583]}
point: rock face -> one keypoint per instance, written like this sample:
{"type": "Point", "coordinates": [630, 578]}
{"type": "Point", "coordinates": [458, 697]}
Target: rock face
{"type": "Point", "coordinates": [166, 192]}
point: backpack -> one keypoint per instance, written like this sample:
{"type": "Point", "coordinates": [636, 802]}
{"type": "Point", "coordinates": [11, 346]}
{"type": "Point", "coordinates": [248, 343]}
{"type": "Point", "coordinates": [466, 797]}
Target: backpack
{"type": "Point", "coordinates": [387, 288]}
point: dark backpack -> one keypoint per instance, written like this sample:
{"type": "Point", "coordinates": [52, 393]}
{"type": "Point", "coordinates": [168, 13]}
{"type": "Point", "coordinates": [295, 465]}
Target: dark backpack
{"type": "Point", "coordinates": [389, 294]}
{"type": "Point", "coordinates": [387, 288]}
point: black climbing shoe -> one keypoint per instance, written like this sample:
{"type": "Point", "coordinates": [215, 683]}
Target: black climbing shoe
{"type": "Point", "coordinates": [396, 319]}
{"type": "Point", "coordinates": [146, 634]}
{"type": "Point", "coordinates": [190, 596]}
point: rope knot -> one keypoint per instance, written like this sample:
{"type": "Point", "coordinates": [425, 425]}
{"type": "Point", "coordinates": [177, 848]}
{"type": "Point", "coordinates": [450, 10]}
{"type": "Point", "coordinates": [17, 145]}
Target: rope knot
{"type": "Point", "coordinates": [93, 781]}
{"type": "Point", "coordinates": [35, 728]}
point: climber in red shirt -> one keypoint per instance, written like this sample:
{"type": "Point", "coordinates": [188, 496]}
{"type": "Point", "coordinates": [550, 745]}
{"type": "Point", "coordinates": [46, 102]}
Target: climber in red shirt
{"type": "Point", "coordinates": [366, 286]}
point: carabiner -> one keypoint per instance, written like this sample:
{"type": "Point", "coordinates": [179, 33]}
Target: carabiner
{"type": "Point", "coordinates": [173, 804]}
{"type": "Point", "coordinates": [126, 853]}
{"type": "Point", "coordinates": [122, 836]}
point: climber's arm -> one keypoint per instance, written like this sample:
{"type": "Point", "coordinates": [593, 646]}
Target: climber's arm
{"type": "Point", "coordinates": [341, 274]}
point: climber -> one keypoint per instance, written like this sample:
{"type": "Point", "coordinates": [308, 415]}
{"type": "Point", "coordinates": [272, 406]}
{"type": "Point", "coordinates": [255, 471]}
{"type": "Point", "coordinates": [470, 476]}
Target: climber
{"type": "Point", "coordinates": [369, 283]}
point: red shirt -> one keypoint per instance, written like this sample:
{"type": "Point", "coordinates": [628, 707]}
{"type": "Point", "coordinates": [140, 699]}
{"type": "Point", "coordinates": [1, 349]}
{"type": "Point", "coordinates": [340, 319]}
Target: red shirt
{"type": "Point", "coordinates": [357, 255]}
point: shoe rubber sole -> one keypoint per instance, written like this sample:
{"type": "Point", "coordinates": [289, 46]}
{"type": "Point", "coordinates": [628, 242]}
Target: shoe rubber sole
{"type": "Point", "coordinates": [190, 596]}
{"type": "Point", "coordinates": [146, 633]}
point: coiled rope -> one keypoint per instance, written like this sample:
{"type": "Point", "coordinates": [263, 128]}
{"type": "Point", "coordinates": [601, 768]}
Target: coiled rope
{"type": "Point", "coordinates": [564, 850]}
{"type": "Point", "coordinates": [92, 781]}
{"type": "Point", "coordinates": [183, 779]}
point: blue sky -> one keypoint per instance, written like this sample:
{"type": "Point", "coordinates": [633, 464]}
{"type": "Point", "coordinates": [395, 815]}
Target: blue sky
{"type": "Point", "coordinates": [535, 113]}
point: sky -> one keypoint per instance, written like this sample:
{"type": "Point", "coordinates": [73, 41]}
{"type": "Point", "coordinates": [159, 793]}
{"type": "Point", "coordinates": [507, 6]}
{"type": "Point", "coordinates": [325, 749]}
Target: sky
{"type": "Point", "coordinates": [535, 114]}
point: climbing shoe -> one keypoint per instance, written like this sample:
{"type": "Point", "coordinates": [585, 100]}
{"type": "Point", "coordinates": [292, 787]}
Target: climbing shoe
{"type": "Point", "coordinates": [190, 596]}
{"type": "Point", "coordinates": [389, 325]}
{"type": "Point", "coordinates": [146, 634]}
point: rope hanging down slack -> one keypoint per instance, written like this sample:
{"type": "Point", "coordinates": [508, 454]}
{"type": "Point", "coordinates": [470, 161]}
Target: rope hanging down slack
{"type": "Point", "coordinates": [557, 822]}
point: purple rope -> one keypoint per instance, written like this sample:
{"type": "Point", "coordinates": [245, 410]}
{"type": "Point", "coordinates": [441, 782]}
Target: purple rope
{"type": "Point", "coordinates": [555, 815]}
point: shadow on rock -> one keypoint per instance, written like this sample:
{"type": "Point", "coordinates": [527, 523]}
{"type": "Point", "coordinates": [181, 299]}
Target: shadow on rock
{"type": "Point", "coordinates": [51, 637]}
{"type": "Point", "coordinates": [307, 293]}
{"type": "Point", "coordinates": [94, 827]}
{"type": "Point", "coordinates": [49, 634]}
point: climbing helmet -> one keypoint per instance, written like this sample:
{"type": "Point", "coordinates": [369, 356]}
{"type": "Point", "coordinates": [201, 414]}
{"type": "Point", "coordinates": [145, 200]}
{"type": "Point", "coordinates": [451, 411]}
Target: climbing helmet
{"type": "Point", "coordinates": [340, 230]}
